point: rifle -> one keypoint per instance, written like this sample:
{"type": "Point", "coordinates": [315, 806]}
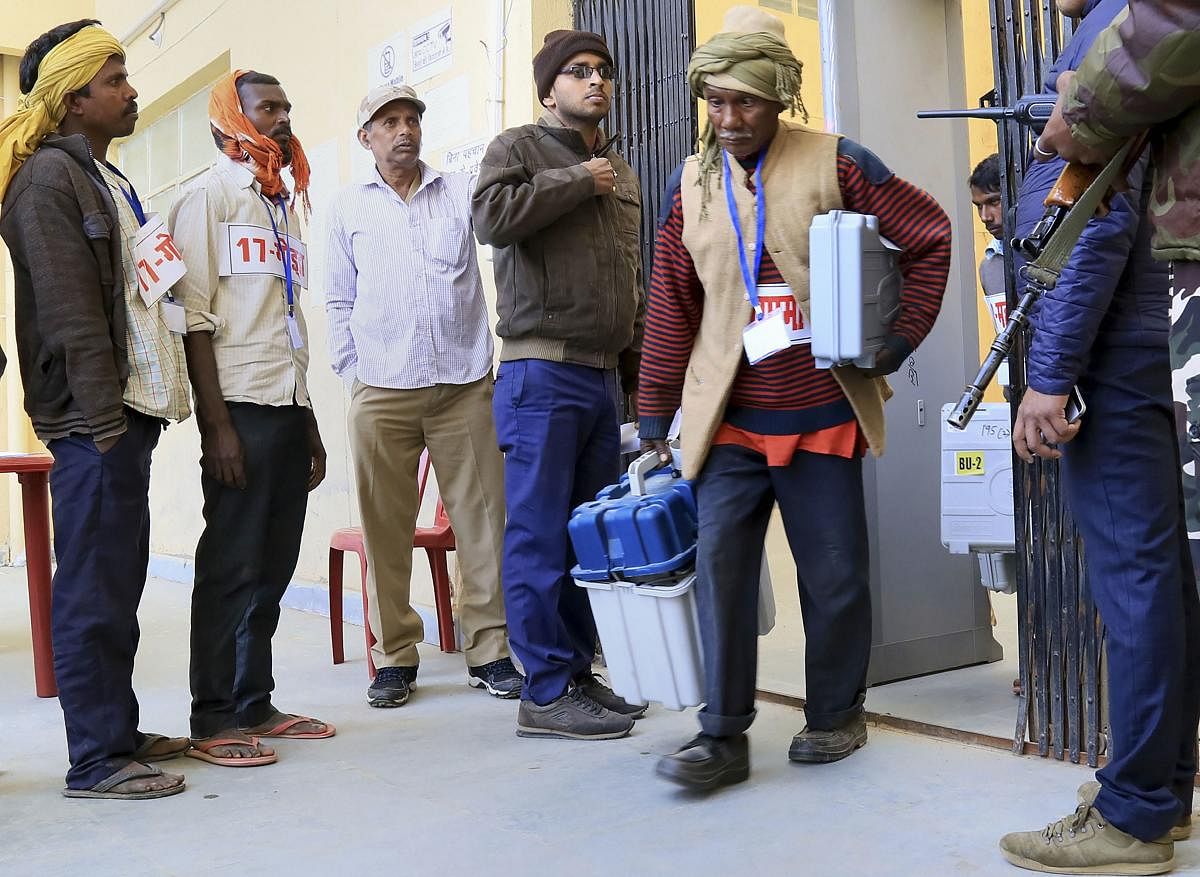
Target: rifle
{"type": "Point", "coordinates": [1074, 184]}
{"type": "Point", "coordinates": [1031, 110]}
{"type": "Point", "coordinates": [1081, 192]}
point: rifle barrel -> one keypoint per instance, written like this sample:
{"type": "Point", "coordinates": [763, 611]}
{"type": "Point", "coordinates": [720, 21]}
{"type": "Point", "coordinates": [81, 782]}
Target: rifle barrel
{"type": "Point", "coordinates": [981, 113]}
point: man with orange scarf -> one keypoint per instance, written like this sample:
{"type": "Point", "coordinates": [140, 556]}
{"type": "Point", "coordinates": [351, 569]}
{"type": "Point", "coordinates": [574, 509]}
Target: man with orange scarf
{"type": "Point", "coordinates": [261, 451]}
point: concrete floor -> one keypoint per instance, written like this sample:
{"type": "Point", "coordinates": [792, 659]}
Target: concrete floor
{"type": "Point", "coordinates": [977, 699]}
{"type": "Point", "coordinates": [444, 784]}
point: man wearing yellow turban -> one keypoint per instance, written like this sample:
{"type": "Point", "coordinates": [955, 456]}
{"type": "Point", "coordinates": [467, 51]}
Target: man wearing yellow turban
{"type": "Point", "coordinates": [102, 375]}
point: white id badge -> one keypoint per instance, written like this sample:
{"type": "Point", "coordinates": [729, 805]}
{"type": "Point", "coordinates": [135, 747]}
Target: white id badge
{"type": "Point", "coordinates": [294, 332]}
{"type": "Point", "coordinates": [766, 337]}
{"type": "Point", "coordinates": [174, 316]}
{"type": "Point", "coordinates": [158, 261]}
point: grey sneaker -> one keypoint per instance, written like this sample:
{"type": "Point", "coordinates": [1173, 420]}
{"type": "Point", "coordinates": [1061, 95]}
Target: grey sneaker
{"type": "Point", "coordinates": [1085, 843]}
{"type": "Point", "coordinates": [1182, 830]}
{"type": "Point", "coordinates": [593, 685]}
{"type": "Point", "coordinates": [391, 686]}
{"type": "Point", "coordinates": [811, 746]}
{"type": "Point", "coordinates": [574, 716]}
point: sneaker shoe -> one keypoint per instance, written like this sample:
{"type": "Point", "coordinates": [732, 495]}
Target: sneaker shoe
{"type": "Point", "coordinates": [1086, 843]}
{"type": "Point", "coordinates": [822, 747]}
{"type": "Point", "coordinates": [1182, 830]}
{"type": "Point", "coordinates": [392, 686]}
{"type": "Point", "coordinates": [574, 716]}
{"type": "Point", "coordinates": [497, 678]}
{"type": "Point", "coordinates": [592, 684]}
{"type": "Point", "coordinates": [706, 763]}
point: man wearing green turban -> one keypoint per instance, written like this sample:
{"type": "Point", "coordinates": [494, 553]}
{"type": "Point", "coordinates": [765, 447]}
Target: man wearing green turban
{"type": "Point", "coordinates": [767, 426]}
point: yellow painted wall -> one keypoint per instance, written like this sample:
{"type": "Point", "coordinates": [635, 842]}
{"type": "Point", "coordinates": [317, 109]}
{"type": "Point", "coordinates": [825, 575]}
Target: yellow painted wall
{"type": "Point", "coordinates": [982, 139]}
{"type": "Point", "coordinates": [320, 52]}
{"type": "Point", "coordinates": [20, 24]}
{"type": "Point", "coordinates": [23, 21]}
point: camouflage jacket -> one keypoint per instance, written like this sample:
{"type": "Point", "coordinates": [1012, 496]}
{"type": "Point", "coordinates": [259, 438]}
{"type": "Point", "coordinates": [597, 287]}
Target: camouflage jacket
{"type": "Point", "coordinates": [1143, 72]}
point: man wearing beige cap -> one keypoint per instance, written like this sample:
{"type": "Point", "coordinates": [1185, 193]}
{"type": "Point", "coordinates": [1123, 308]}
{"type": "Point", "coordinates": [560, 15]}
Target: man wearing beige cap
{"type": "Point", "coordinates": [408, 334]}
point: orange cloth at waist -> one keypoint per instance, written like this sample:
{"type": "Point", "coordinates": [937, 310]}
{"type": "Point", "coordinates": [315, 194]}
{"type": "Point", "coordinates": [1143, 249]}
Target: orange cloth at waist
{"type": "Point", "coordinates": [844, 440]}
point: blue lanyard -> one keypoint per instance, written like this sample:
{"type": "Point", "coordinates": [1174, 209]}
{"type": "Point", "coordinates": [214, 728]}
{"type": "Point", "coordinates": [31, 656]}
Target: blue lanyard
{"type": "Point", "coordinates": [284, 248]}
{"type": "Point", "coordinates": [131, 196]}
{"type": "Point", "coordinates": [760, 220]}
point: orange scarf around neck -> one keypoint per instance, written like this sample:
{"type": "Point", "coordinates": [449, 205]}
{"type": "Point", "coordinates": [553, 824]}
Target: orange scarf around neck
{"type": "Point", "coordinates": [242, 142]}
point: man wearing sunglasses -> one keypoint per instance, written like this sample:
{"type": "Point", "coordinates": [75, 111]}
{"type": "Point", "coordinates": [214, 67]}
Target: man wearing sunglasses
{"type": "Point", "coordinates": [563, 211]}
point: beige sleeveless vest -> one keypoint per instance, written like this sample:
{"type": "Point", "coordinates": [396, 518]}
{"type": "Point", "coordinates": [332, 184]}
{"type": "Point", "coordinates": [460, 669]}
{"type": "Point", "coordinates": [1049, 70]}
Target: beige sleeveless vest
{"type": "Point", "coordinates": [800, 179]}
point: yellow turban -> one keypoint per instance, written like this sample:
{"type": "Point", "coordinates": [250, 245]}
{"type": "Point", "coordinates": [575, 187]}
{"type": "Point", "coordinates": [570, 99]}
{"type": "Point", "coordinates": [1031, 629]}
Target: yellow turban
{"type": "Point", "coordinates": [67, 67]}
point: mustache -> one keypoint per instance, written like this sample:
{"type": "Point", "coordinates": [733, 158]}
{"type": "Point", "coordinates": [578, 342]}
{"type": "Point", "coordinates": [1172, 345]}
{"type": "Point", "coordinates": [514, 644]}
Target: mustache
{"type": "Point", "coordinates": [281, 131]}
{"type": "Point", "coordinates": [131, 108]}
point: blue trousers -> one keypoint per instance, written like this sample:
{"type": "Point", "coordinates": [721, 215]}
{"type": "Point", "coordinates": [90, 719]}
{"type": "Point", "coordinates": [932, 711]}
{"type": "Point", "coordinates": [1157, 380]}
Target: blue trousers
{"type": "Point", "coordinates": [1121, 475]}
{"type": "Point", "coordinates": [821, 502]}
{"type": "Point", "coordinates": [557, 425]}
{"type": "Point", "coordinates": [101, 508]}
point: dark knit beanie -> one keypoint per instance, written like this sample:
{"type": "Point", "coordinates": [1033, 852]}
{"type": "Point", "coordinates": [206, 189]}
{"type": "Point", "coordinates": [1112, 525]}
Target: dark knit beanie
{"type": "Point", "coordinates": [559, 47]}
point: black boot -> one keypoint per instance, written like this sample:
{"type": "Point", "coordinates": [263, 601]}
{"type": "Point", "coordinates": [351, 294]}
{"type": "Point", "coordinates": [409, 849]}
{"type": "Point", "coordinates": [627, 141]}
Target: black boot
{"type": "Point", "coordinates": [707, 763]}
{"type": "Point", "coordinates": [811, 746]}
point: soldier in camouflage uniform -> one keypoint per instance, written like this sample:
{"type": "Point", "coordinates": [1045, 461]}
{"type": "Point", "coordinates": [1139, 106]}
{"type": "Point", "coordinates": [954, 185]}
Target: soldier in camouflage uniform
{"type": "Point", "coordinates": [1142, 73]}
{"type": "Point", "coordinates": [1185, 386]}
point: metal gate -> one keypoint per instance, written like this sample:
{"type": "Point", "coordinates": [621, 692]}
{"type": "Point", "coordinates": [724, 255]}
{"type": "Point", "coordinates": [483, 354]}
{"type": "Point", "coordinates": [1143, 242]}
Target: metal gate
{"type": "Point", "coordinates": [1059, 629]}
{"type": "Point", "coordinates": [651, 42]}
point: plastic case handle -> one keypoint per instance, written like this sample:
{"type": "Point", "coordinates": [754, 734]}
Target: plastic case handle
{"type": "Point", "coordinates": [638, 470]}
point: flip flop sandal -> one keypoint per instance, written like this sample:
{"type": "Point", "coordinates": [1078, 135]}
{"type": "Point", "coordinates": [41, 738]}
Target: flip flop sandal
{"type": "Point", "coordinates": [280, 731]}
{"type": "Point", "coordinates": [201, 749]}
{"type": "Point", "coordinates": [178, 746]}
{"type": "Point", "coordinates": [106, 788]}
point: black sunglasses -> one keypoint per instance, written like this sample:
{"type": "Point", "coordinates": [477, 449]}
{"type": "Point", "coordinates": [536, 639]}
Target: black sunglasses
{"type": "Point", "coordinates": [585, 71]}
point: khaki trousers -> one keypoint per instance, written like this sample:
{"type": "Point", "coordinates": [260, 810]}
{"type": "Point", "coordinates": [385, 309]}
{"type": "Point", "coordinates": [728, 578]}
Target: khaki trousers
{"type": "Point", "coordinates": [388, 431]}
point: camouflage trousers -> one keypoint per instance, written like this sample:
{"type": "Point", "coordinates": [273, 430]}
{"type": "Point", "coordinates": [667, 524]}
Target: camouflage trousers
{"type": "Point", "coordinates": [1185, 382]}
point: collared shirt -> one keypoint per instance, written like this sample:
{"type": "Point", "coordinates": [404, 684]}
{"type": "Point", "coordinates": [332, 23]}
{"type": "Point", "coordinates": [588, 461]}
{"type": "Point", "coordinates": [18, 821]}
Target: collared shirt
{"type": "Point", "coordinates": [403, 290]}
{"type": "Point", "coordinates": [991, 268]}
{"type": "Point", "coordinates": [157, 383]}
{"type": "Point", "coordinates": [246, 313]}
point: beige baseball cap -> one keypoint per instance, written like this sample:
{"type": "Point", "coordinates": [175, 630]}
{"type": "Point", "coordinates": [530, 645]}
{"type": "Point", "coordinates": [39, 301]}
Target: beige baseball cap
{"type": "Point", "coordinates": [377, 98]}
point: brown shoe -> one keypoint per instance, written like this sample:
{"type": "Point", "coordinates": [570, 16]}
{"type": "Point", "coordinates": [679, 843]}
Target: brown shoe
{"type": "Point", "coordinates": [1182, 830]}
{"type": "Point", "coordinates": [1087, 843]}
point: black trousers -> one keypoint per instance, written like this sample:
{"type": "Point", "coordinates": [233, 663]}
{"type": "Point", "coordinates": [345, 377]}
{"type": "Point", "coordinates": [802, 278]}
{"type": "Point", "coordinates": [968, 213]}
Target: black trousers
{"type": "Point", "coordinates": [821, 501]}
{"type": "Point", "coordinates": [102, 545]}
{"type": "Point", "coordinates": [244, 562]}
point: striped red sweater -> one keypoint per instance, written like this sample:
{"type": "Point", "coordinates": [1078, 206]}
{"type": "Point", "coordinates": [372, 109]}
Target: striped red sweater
{"type": "Point", "coordinates": [786, 394]}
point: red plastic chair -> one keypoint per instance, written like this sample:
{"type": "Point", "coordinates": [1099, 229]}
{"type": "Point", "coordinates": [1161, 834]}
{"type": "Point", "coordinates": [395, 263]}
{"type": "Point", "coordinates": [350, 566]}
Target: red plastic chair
{"type": "Point", "coordinates": [437, 541]}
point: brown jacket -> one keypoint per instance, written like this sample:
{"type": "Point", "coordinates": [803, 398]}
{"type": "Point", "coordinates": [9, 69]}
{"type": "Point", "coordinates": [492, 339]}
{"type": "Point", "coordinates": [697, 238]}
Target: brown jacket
{"type": "Point", "coordinates": [568, 264]}
{"type": "Point", "coordinates": [60, 224]}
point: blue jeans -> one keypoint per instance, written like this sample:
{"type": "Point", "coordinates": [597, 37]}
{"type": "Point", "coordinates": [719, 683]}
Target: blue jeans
{"type": "Point", "coordinates": [557, 425]}
{"type": "Point", "coordinates": [102, 545]}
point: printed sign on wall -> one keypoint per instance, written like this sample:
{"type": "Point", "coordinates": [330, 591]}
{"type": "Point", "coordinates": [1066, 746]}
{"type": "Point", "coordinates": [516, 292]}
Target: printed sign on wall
{"type": "Point", "coordinates": [432, 46]}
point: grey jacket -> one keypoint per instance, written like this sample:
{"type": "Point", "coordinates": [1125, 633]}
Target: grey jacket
{"type": "Point", "coordinates": [568, 263]}
{"type": "Point", "coordinates": [60, 224]}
